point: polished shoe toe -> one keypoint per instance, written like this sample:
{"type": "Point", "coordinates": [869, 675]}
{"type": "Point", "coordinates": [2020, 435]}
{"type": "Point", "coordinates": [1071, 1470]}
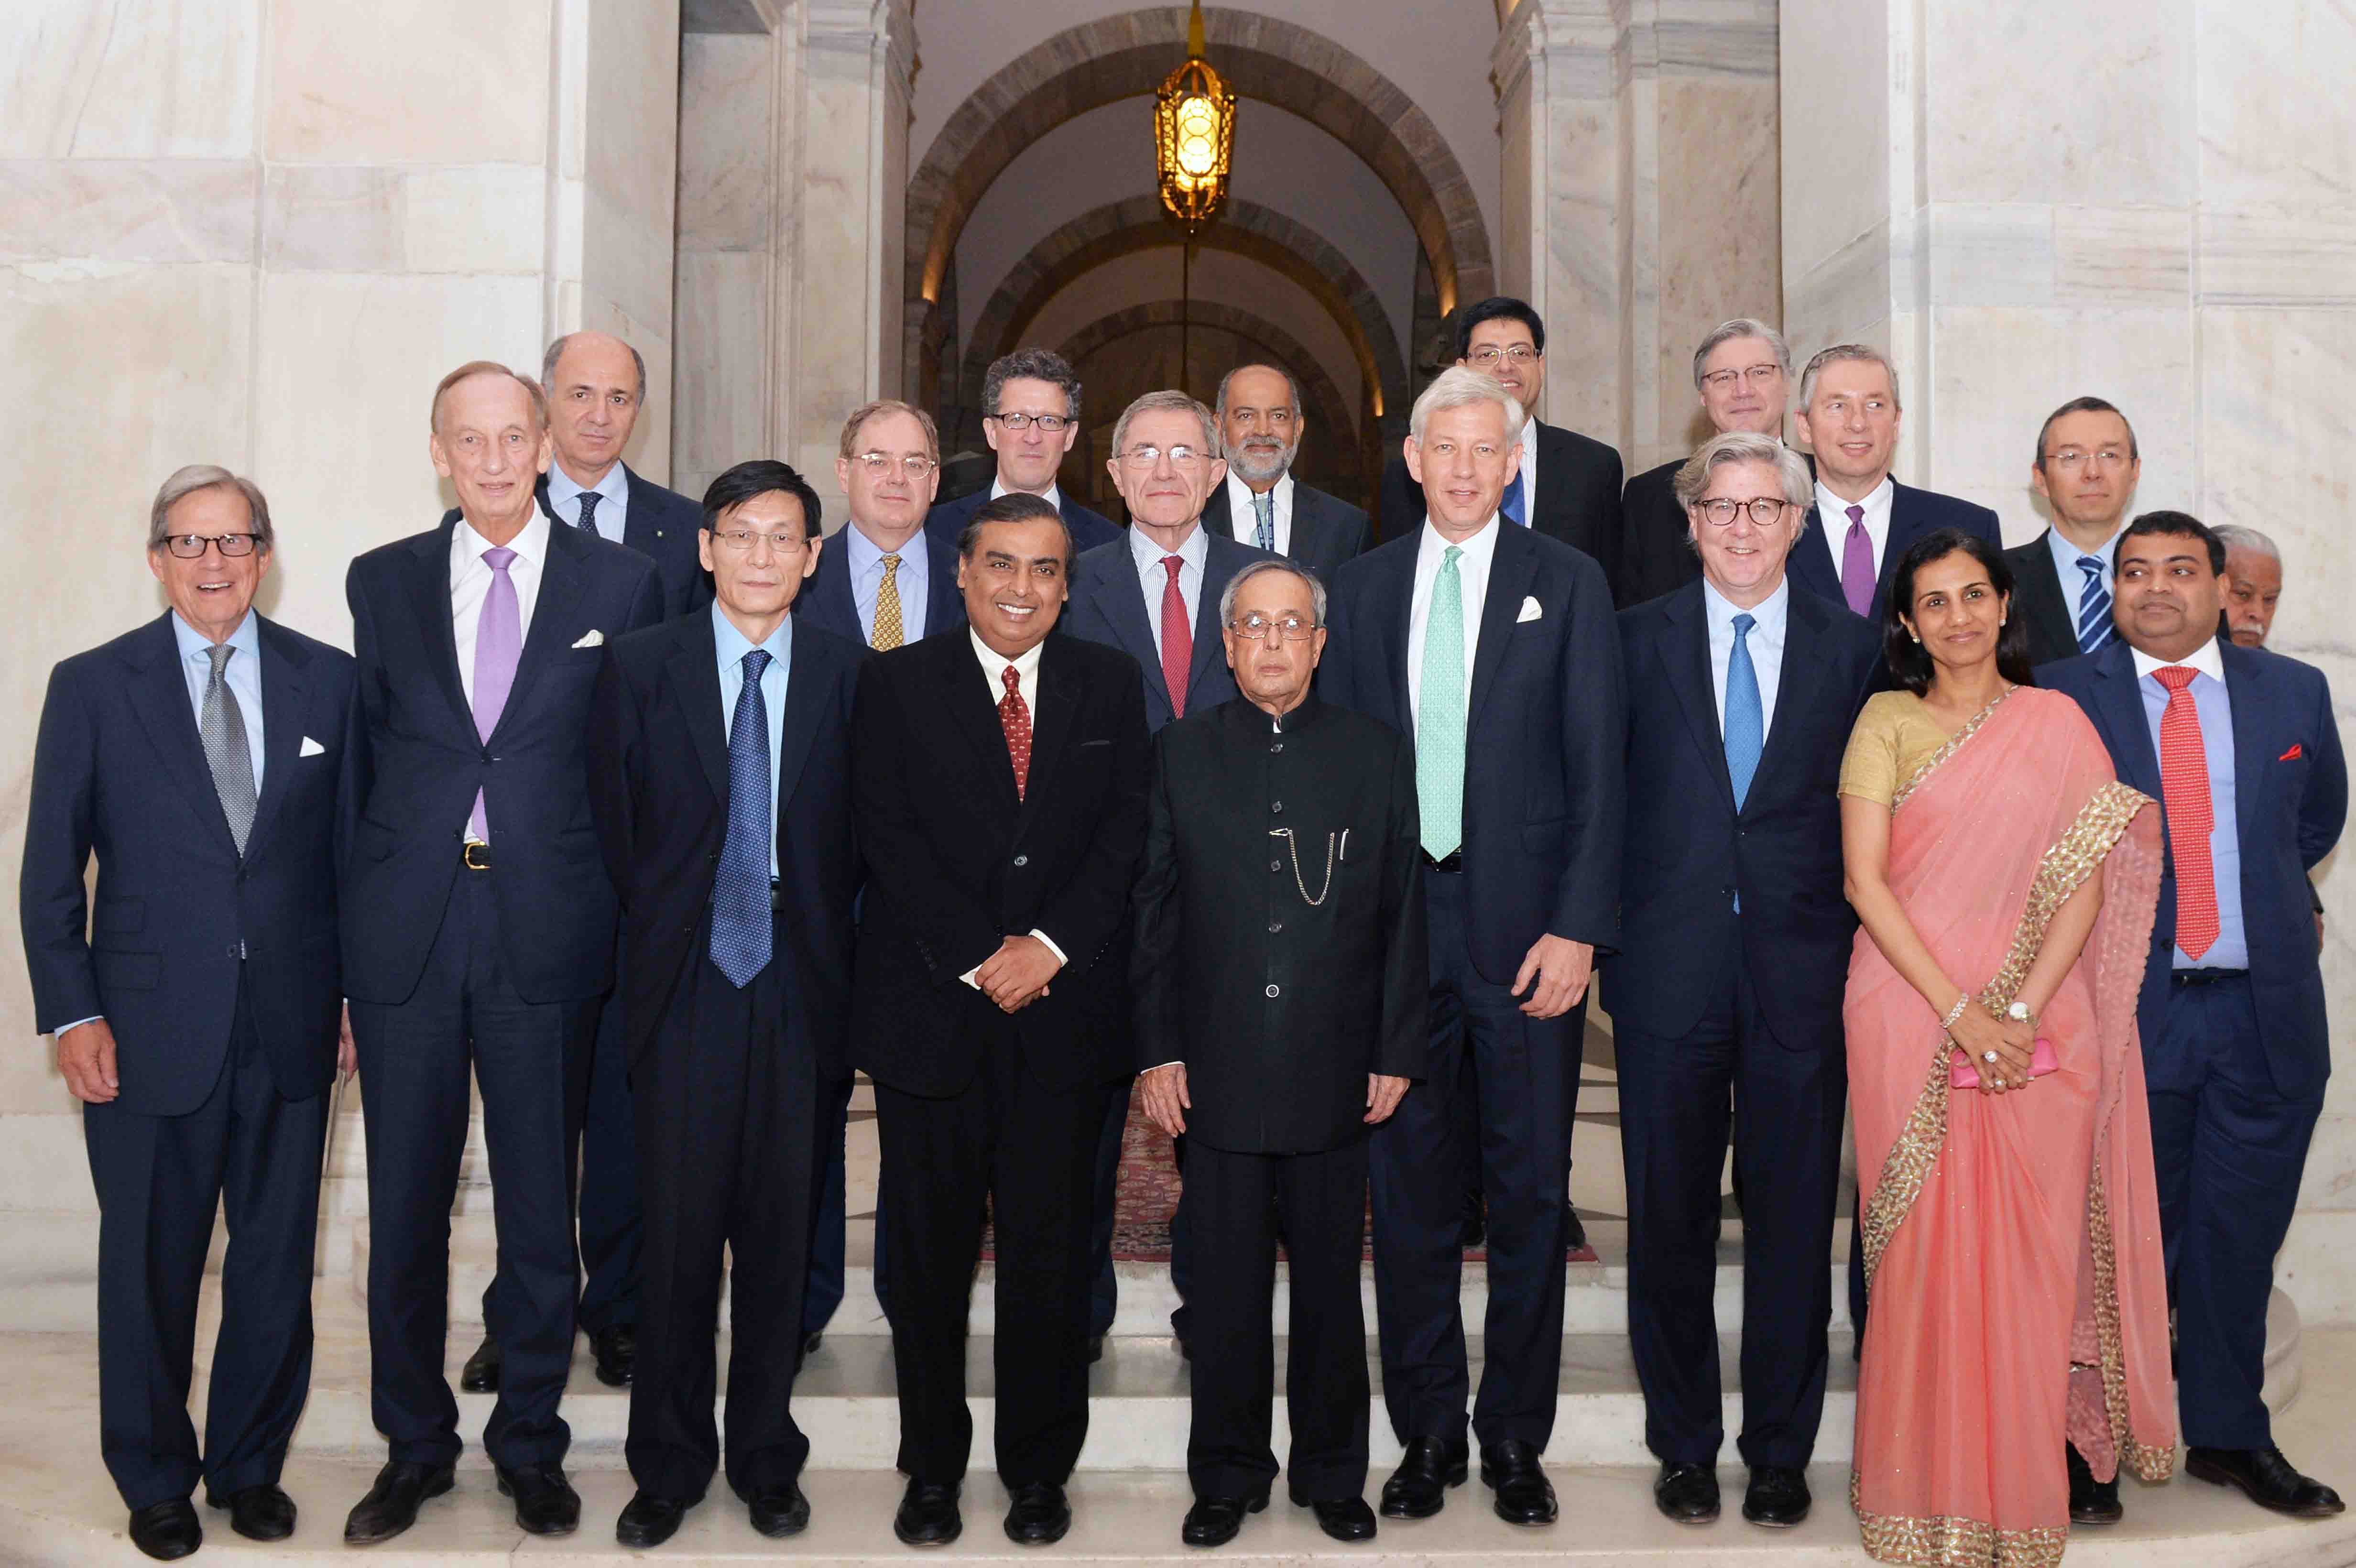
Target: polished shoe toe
{"type": "Point", "coordinates": [1039, 1516]}
{"type": "Point", "coordinates": [168, 1530]}
{"type": "Point", "coordinates": [1344, 1519]}
{"type": "Point", "coordinates": [2090, 1501]}
{"type": "Point", "coordinates": [1214, 1522]}
{"type": "Point", "coordinates": [1777, 1498]}
{"type": "Point", "coordinates": [778, 1511]}
{"type": "Point", "coordinates": [481, 1372]}
{"type": "Point", "coordinates": [812, 1340]}
{"type": "Point", "coordinates": [258, 1513]}
{"type": "Point", "coordinates": [649, 1521]}
{"type": "Point", "coordinates": [928, 1514]}
{"type": "Point", "coordinates": [1419, 1487]}
{"type": "Point", "coordinates": [616, 1351]}
{"type": "Point", "coordinates": [2267, 1478]}
{"type": "Point", "coordinates": [392, 1504]}
{"type": "Point", "coordinates": [1524, 1496]}
{"type": "Point", "coordinates": [545, 1502]}
{"type": "Point", "coordinates": [1687, 1493]}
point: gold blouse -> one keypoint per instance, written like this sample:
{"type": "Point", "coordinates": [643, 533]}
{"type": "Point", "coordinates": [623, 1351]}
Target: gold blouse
{"type": "Point", "coordinates": [1895, 735]}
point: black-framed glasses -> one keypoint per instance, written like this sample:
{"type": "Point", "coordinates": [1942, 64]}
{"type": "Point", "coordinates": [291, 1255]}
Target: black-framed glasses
{"type": "Point", "coordinates": [915, 465]}
{"type": "Point", "coordinates": [1051, 423]}
{"type": "Point", "coordinates": [191, 546]}
{"type": "Point", "coordinates": [1721, 511]}
{"type": "Point", "coordinates": [1257, 627]}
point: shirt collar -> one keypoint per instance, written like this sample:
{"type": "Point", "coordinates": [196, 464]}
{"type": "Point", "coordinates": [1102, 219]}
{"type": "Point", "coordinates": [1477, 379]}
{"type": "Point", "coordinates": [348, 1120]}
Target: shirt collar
{"type": "Point", "coordinates": [614, 487]}
{"type": "Point", "coordinates": [2065, 554]}
{"type": "Point", "coordinates": [1051, 496]}
{"type": "Point", "coordinates": [1478, 550]}
{"type": "Point", "coordinates": [1767, 616]}
{"type": "Point", "coordinates": [733, 644]}
{"type": "Point", "coordinates": [1239, 495]}
{"type": "Point", "coordinates": [532, 544]}
{"type": "Point", "coordinates": [246, 639]}
{"type": "Point", "coordinates": [864, 552]}
{"type": "Point", "coordinates": [1026, 666]}
{"type": "Point", "coordinates": [1876, 503]}
{"type": "Point", "coordinates": [1148, 554]}
{"type": "Point", "coordinates": [2205, 659]}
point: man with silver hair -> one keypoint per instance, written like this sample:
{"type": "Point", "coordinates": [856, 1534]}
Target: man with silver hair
{"type": "Point", "coordinates": [1727, 989]}
{"type": "Point", "coordinates": [2253, 583]}
{"type": "Point", "coordinates": [1261, 424]}
{"type": "Point", "coordinates": [1742, 377]}
{"type": "Point", "coordinates": [1493, 647]}
{"type": "Point", "coordinates": [201, 759]}
{"type": "Point", "coordinates": [1030, 399]}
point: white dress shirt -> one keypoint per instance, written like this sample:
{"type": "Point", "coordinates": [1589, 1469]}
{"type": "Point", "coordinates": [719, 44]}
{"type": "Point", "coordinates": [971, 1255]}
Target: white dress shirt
{"type": "Point", "coordinates": [1772, 615]}
{"type": "Point", "coordinates": [1244, 521]}
{"type": "Point", "coordinates": [612, 500]}
{"type": "Point", "coordinates": [1832, 515]}
{"type": "Point", "coordinates": [1027, 680]}
{"type": "Point", "coordinates": [1473, 575]}
{"type": "Point", "coordinates": [1152, 575]}
{"type": "Point", "coordinates": [1528, 476]}
{"type": "Point", "coordinates": [1051, 496]}
{"type": "Point", "coordinates": [470, 585]}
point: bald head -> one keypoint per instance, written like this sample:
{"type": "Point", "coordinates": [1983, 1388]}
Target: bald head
{"type": "Point", "coordinates": [596, 384]}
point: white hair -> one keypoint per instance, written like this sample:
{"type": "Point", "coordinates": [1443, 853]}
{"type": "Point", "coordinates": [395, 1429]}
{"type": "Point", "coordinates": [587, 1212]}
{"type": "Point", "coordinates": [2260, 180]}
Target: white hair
{"type": "Point", "coordinates": [2232, 536]}
{"type": "Point", "coordinates": [1741, 326]}
{"type": "Point", "coordinates": [1743, 446]}
{"type": "Point", "coordinates": [1461, 387]}
{"type": "Point", "coordinates": [1235, 583]}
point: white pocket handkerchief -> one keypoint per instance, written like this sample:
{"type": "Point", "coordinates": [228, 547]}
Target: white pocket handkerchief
{"type": "Point", "coordinates": [593, 638]}
{"type": "Point", "coordinates": [1530, 611]}
{"type": "Point", "coordinates": [312, 748]}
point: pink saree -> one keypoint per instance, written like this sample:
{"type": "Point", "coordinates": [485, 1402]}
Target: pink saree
{"type": "Point", "coordinates": [2012, 1248]}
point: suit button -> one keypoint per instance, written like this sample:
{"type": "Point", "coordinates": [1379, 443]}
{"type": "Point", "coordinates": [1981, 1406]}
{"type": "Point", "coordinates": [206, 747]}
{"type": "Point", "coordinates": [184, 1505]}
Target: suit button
{"type": "Point", "coordinates": [1274, 926]}
{"type": "Point", "coordinates": [1276, 805]}
{"type": "Point", "coordinates": [1275, 748]}
{"type": "Point", "coordinates": [1021, 859]}
{"type": "Point", "coordinates": [1272, 990]}
{"type": "Point", "coordinates": [1276, 865]}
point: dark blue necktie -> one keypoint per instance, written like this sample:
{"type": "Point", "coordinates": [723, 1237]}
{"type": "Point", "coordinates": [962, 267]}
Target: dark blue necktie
{"type": "Point", "coordinates": [740, 894]}
{"type": "Point", "coordinates": [1510, 506]}
{"type": "Point", "coordinates": [2094, 606]}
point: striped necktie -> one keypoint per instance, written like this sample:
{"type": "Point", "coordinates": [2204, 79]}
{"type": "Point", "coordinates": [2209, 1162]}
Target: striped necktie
{"type": "Point", "coordinates": [2094, 606]}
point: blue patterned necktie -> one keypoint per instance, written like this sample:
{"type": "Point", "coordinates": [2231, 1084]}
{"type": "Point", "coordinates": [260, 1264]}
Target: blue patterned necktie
{"type": "Point", "coordinates": [1746, 716]}
{"type": "Point", "coordinates": [2094, 606]}
{"type": "Point", "coordinates": [1510, 506]}
{"type": "Point", "coordinates": [588, 521]}
{"type": "Point", "coordinates": [740, 934]}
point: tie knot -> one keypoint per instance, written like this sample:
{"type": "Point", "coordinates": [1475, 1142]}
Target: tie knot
{"type": "Point", "coordinates": [2090, 564]}
{"type": "Point", "coordinates": [1171, 563]}
{"type": "Point", "coordinates": [1449, 557]}
{"type": "Point", "coordinates": [1012, 680]}
{"type": "Point", "coordinates": [499, 558]}
{"type": "Point", "coordinates": [1742, 625]}
{"type": "Point", "coordinates": [890, 564]}
{"type": "Point", "coordinates": [1857, 517]}
{"type": "Point", "coordinates": [218, 653]}
{"type": "Point", "coordinates": [2175, 676]}
{"type": "Point", "coordinates": [756, 664]}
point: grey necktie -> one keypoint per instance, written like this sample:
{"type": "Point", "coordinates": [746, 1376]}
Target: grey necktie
{"type": "Point", "coordinates": [1264, 510]}
{"type": "Point", "coordinates": [226, 752]}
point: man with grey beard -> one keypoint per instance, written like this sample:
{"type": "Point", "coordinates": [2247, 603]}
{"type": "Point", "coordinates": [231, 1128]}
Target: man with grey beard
{"type": "Point", "coordinates": [1260, 504]}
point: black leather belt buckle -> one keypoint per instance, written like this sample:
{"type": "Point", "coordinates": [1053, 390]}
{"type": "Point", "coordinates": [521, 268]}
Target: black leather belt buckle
{"type": "Point", "coordinates": [1454, 862]}
{"type": "Point", "coordinates": [777, 895]}
{"type": "Point", "coordinates": [475, 855]}
{"type": "Point", "coordinates": [2207, 977]}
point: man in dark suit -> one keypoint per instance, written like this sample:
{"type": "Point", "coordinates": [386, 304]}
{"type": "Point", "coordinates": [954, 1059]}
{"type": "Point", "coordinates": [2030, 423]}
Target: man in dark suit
{"type": "Point", "coordinates": [1260, 504]}
{"type": "Point", "coordinates": [1742, 374]}
{"type": "Point", "coordinates": [2086, 468]}
{"type": "Point", "coordinates": [1034, 401]}
{"type": "Point", "coordinates": [1494, 647]}
{"type": "Point", "coordinates": [999, 781]}
{"type": "Point", "coordinates": [202, 758]}
{"type": "Point", "coordinates": [1568, 486]}
{"type": "Point", "coordinates": [479, 932]}
{"type": "Point", "coordinates": [1279, 1046]}
{"type": "Point", "coordinates": [2241, 749]}
{"type": "Point", "coordinates": [720, 777]}
{"type": "Point", "coordinates": [1863, 521]}
{"type": "Point", "coordinates": [1734, 945]}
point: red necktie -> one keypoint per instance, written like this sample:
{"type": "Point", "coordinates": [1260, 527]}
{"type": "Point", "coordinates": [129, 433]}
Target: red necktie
{"type": "Point", "coordinates": [1014, 718]}
{"type": "Point", "coordinates": [2191, 816]}
{"type": "Point", "coordinates": [1177, 638]}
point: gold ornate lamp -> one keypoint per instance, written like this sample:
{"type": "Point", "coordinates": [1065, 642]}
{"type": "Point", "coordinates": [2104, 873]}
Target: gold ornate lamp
{"type": "Point", "coordinates": [1194, 135]}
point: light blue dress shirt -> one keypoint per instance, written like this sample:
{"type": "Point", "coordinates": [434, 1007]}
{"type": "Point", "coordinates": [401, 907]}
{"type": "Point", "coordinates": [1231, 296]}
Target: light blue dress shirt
{"type": "Point", "coordinates": [612, 500]}
{"type": "Point", "coordinates": [732, 648]}
{"type": "Point", "coordinates": [866, 558]}
{"type": "Point", "coordinates": [2215, 705]}
{"type": "Point", "coordinates": [2065, 566]}
{"type": "Point", "coordinates": [1146, 555]}
{"type": "Point", "coordinates": [242, 676]}
{"type": "Point", "coordinates": [1772, 615]}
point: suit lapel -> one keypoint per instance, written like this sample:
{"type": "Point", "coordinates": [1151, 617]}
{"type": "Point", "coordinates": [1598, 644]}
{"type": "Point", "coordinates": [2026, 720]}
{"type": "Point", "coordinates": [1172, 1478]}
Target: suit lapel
{"type": "Point", "coordinates": [695, 670]}
{"type": "Point", "coordinates": [1119, 591]}
{"type": "Point", "coordinates": [1803, 626]}
{"type": "Point", "coordinates": [1544, 494]}
{"type": "Point", "coordinates": [2245, 691]}
{"type": "Point", "coordinates": [1812, 557]}
{"type": "Point", "coordinates": [1685, 655]}
{"type": "Point", "coordinates": [428, 592]}
{"type": "Point", "coordinates": [971, 696]}
{"type": "Point", "coordinates": [282, 730]}
{"type": "Point", "coordinates": [1511, 571]}
{"type": "Point", "coordinates": [1219, 568]}
{"type": "Point", "coordinates": [1218, 521]}
{"type": "Point", "coordinates": [1398, 628]}
{"type": "Point", "coordinates": [1051, 724]}
{"type": "Point", "coordinates": [562, 580]}
{"type": "Point", "coordinates": [159, 695]}
{"type": "Point", "coordinates": [944, 603]}
{"type": "Point", "coordinates": [2120, 717]}
{"type": "Point", "coordinates": [806, 694]}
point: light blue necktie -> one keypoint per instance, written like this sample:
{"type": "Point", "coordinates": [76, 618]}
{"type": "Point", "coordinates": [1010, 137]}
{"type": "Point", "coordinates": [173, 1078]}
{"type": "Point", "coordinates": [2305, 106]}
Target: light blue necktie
{"type": "Point", "coordinates": [1264, 510]}
{"type": "Point", "coordinates": [1746, 718]}
{"type": "Point", "coordinates": [1511, 505]}
{"type": "Point", "coordinates": [741, 928]}
{"type": "Point", "coordinates": [2095, 626]}
{"type": "Point", "coordinates": [1440, 715]}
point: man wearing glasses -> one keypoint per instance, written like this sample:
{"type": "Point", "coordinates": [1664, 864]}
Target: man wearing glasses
{"type": "Point", "coordinates": [1743, 376]}
{"type": "Point", "coordinates": [1034, 403]}
{"type": "Point", "coordinates": [2086, 467]}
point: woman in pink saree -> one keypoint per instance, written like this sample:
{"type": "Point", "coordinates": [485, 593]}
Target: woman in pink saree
{"type": "Point", "coordinates": [2017, 1322]}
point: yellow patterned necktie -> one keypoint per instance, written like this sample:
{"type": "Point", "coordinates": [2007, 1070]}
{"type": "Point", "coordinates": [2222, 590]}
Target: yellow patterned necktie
{"type": "Point", "coordinates": [888, 633]}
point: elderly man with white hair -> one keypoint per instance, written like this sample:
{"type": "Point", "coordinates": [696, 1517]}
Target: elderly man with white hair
{"type": "Point", "coordinates": [2254, 577]}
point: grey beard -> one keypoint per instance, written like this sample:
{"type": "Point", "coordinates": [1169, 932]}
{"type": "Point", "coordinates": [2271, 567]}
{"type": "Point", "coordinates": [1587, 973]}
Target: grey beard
{"type": "Point", "coordinates": [1250, 473]}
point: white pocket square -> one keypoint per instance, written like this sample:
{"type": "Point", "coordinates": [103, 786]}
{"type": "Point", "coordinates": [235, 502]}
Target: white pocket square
{"type": "Point", "coordinates": [593, 638]}
{"type": "Point", "coordinates": [1530, 611]}
{"type": "Point", "coordinates": [312, 748]}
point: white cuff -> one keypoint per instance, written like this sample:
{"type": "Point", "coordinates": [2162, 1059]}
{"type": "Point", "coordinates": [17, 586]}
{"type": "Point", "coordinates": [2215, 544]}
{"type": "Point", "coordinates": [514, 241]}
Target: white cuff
{"type": "Point", "coordinates": [60, 1033]}
{"type": "Point", "coordinates": [1049, 943]}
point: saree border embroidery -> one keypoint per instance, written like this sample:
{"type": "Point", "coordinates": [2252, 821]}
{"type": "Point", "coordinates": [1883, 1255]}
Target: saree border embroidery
{"type": "Point", "coordinates": [2149, 1463]}
{"type": "Point", "coordinates": [1955, 743]}
{"type": "Point", "coordinates": [1944, 1542]}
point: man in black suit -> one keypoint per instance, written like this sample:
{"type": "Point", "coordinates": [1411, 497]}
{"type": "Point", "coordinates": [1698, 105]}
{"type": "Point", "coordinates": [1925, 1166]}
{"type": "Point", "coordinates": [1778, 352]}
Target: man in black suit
{"type": "Point", "coordinates": [479, 932]}
{"type": "Point", "coordinates": [1863, 521]}
{"type": "Point", "coordinates": [1033, 400]}
{"type": "Point", "coordinates": [1734, 945]}
{"type": "Point", "coordinates": [1494, 647]}
{"type": "Point", "coordinates": [720, 777]}
{"type": "Point", "coordinates": [998, 778]}
{"type": "Point", "coordinates": [202, 758]}
{"type": "Point", "coordinates": [1742, 374]}
{"type": "Point", "coordinates": [1260, 504]}
{"type": "Point", "coordinates": [1280, 1046]}
{"type": "Point", "coordinates": [1568, 486]}
{"type": "Point", "coordinates": [2086, 468]}
{"type": "Point", "coordinates": [2235, 1042]}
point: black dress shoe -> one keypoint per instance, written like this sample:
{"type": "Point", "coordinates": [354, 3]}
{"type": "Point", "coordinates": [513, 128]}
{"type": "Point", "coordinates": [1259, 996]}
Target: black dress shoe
{"type": "Point", "coordinates": [928, 1514]}
{"type": "Point", "coordinates": [168, 1530]}
{"type": "Point", "coordinates": [545, 1502]}
{"type": "Point", "coordinates": [1419, 1487]}
{"type": "Point", "coordinates": [649, 1521]}
{"type": "Point", "coordinates": [2267, 1478]}
{"type": "Point", "coordinates": [1524, 1496]}
{"type": "Point", "coordinates": [616, 1349]}
{"type": "Point", "coordinates": [258, 1513]}
{"type": "Point", "coordinates": [1687, 1493]}
{"type": "Point", "coordinates": [1344, 1519]}
{"type": "Point", "coordinates": [390, 1506]}
{"type": "Point", "coordinates": [2090, 1501]}
{"type": "Point", "coordinates": [1095, 1348]}
{"type": "Point", "coordinates": [810, 1341]}
{"type": "Point", "coordinates": [481, 1372]}
{"type": "Point", "coordinates": [1040, 1515]}
{"type": "Point", "coordinates": [778, 1511]}
{"type": "Point", "coordinates": [1214, 1522]}
{"type": "Point", "coordinates": [1777, 1497]}
{"type": "Point", "coordinates": [1574, 1234]}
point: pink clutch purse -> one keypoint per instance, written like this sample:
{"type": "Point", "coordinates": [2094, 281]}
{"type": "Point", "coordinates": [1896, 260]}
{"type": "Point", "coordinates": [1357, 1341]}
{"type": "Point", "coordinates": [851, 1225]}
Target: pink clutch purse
{"type": "Point", "coordinates": [1966, 1073]}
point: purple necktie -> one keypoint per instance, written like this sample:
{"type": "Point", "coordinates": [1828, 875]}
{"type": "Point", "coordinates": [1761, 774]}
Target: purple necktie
{"type": "Point", "coordinates": [498, 645]}
{"type": "Point", "coordinates": [1856, 565]}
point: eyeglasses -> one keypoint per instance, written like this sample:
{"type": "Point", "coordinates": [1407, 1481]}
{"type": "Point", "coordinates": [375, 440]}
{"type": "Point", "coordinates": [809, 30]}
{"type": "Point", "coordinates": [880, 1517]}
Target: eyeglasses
{"type": "Point", "coordinates": [1486, 358]}
{"type": "Point", "coordinates": [1756, 375]}
{"type": "Point", "coordinates": [740, 541]}
{"type": "Point", "coordinates": [1051, 423]}
{"type": "Point", "coordinates": [2070, 459]}
{"type": "Point", "coordinates": [915, 465]}
{"type": "Point", "coordinates": [1257, 627]}
{"type": "Point", "coordinates": [190, 547]}
{"type": "Point", "coordinates": [1146, 456]}
{"type": "Point", "coordinates": [1721, 511]}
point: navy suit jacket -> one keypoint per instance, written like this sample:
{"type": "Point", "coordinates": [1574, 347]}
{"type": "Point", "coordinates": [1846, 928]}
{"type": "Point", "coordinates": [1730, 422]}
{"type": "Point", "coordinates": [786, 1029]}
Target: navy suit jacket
{"type": "Point", "coordinates": [2290, 800]}
{"type": "Point", "coordinates": [948, 519]}
{"type": "Point", "coordinates": [1690, 851]}
{"type": "Point", "coordinates": [1913, 513]}
{"type": "Point", "coordinates": [660, 524]}
{"type": "Point", "coordinates": [1326, 530]}
{"type": "Point", "coordinates": [119, 771]}
{"type": "Point", "coordinates": [1545, 785]}
{"type": "Point", "coordinates": [826, 600]}
{"type": "Point", "coordinates": [422, 764]}
{"type": "Point", "coordinates": [1108, 606]}
{"type": "Point", "coordinates": [1578, 498]}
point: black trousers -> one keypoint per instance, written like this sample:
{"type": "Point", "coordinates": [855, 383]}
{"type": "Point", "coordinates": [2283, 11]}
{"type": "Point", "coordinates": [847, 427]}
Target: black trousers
{"type": "Point", "coordinates": [1786, 1101]}
{"type": "Point", "coordinates": [1526, 1076]}
{"type": "Point", "coordinates": [1032, 1150]}
{"type": "Point", "coordinates": [1239, 1201]}
{"type": "Point", "coordinates": [822, 1293]}
{"type": "Point", "coordinates": [1104, 1289]}
{"type": "Point", "coordinates": [160, 1180]}
{"type": "Point", "coordinates": [728, 1107]}
{"type": "Point", "coordinates": [532, 1062]}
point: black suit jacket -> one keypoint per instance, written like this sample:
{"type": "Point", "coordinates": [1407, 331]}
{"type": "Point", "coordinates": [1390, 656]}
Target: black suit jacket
{"type": "Point", "coordinates": [659, 789]}
{"type": "Point", "coordinates": [119, 771]}
{"type": "Point", "coordinates": [948, 519]}
{"type": "Point", "coordinates": [1690, 852]}
{"type": "Point", "coordinates": [1656, 557]}
{"type": "Point", "coordinates": [423, 762]}
{"type": "Point", "coordinates": [2290, 801]}
{"type": "Point", "coordinates": [955, 862]}
{"type": "Point", "coordinates": [660, 524]}
{"type": "Point", "coordinates": [2036, 593]}
{"type": "Point", "coordinates": [1326, 530]}
{"type": "Point", "coordinates": [1815, 559]}
{"type": "Point", "coordinates": [1578, 498]}
{"type": "Point", "coordinates": [826, 600]}
{"type": "Point", "coordinates": [1108, 606]}
{"type": "Point", "coordinates": [1544, 779]}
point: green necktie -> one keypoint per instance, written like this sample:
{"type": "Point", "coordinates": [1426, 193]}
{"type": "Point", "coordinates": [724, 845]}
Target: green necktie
{"type": "Point", "coordinates": [1440, 719]}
